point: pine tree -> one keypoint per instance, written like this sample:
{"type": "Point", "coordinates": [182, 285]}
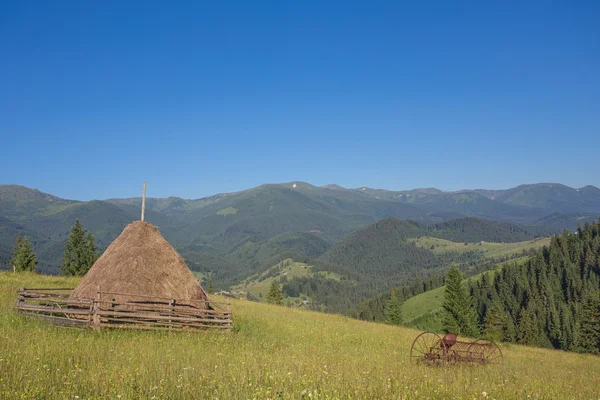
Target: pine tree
{"type": "Point", "coordinates": [24, 258]}
{"type": "Point", "coordinates": [510, 334]}
{"type": "Point", "coordinates": [91, 255]}
{"type": "Point", "coordinates": [459, 316]}
{"type": "Point", "coordinates": [211, 287]}
{"type": "Point", "coordinates": [275, 296]}
{"type": "Point", "coordinates": [80, 252]}
{"type": "Point", "coordinates": [529, 332]}
{"type": "Point", "coordinates": [590, 322]}
{"type": "Point", "coordinates": [251, 297]}
{"type": "Point", "coordinates": [496, 323]}
{"type": "Point", "coordinates": [393, 309]}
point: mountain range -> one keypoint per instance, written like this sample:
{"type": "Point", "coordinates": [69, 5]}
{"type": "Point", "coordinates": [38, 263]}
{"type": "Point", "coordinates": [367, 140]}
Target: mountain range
{"type": "Point", "coordinates": [237, 234]}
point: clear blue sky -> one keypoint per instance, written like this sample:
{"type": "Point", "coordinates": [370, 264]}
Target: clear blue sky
{"type": "Point", "coordinates": [205, 97]}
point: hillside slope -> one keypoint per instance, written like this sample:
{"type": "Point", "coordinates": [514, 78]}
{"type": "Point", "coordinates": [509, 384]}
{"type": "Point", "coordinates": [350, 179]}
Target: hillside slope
{"type": "Point", "coordinates": [254, 257]}
{"type": "Point", "coordinates": [553, 197]}
{"type": "Point", "coordinates": [274, 351]}
{"type": "Point", "coordinates": [212, 232]}
{"type": "Point", "coordinates": [518, 204]}
{"type": "Point", "coordinates": [215, 227]}
{"type": "Point", "coordinates": [392, 254]}
{"type": "Point", "coordinates": [474, 230]}
{"type": "Point", "coordinates": [381, 249]}
{"type": "Point", "coordinates": [551, 300]}
{"type": "Point", "coordinates": [424, 311]}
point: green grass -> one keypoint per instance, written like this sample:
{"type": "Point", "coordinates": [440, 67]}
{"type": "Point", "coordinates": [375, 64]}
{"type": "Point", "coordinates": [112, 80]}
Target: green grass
{"type": "Point", "coordinates": [488, 249]}
{"type": "Point", "coordinates": [228, 211]}
{"type": "Point", "coordinates": [424, 310]}
{"type": "Point", "coordinates": [261, 283]}
{"type": "Point", "coordinates": [275, 352]}
{"type": "Point", "coordinates": [330, 275]}
{"type": "Point", "coordinates": [199, 275]}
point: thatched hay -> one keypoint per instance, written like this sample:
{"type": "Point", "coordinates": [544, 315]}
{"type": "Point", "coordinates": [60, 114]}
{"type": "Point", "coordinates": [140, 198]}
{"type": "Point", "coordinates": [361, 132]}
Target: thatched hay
{"type": "Point", "coordinates": [140, 262]}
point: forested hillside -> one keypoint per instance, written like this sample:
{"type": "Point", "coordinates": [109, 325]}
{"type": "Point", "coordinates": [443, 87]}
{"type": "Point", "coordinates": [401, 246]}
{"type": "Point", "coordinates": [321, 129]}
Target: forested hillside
{"type": "Point", "coordinates": [375, 259]}
{"type": "Point", "coordinates": [252, 257]}
{"type": "Point", "coordinates": [474, 230]}
{"type": "Point", "coordinates": [560, 220]}
{"type": "Point", "coordinates": [552, 300]}
{"type": "Point", "coordinates": [518, 204]}
{"type": "Point", "coordinates": [234, 235]}
{"type": "Point", "coordinates": [379, 249]}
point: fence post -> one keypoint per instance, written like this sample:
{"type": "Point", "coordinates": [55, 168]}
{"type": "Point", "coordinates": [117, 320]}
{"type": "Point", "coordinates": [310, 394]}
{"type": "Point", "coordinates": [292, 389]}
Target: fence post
{"type": "Point", "coordinates": [95, 316]}
{"type": "Point", "coordinates": [95, 307]}
{"type": "Point", "coordinates": [172, 304]}
{"type": "Point", "coordinates": [20, 298]}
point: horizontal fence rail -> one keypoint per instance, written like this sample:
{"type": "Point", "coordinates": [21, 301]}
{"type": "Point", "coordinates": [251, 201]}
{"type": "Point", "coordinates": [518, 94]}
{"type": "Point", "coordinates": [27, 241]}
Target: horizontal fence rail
{"type": "Point", "coordinates": [138, 312]}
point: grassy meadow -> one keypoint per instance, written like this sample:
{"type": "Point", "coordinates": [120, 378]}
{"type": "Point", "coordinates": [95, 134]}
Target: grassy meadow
{"type": "Point", "coordinates": [488, 249]}
{"type": "Point", "coordinates": [258, 285]}
{"type": "Point", "coordinates": [275, 352]}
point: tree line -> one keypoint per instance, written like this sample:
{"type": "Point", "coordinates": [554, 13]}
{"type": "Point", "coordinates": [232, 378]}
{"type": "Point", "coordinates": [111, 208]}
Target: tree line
{"type": "Point", "coordinates": [366, 297]}
{"type": "Point", "coordinates": [371, 262]}
{"type": "Point", "coordinates": [552, 300]}
{"type": "Point", "coordinates": [79, 254]}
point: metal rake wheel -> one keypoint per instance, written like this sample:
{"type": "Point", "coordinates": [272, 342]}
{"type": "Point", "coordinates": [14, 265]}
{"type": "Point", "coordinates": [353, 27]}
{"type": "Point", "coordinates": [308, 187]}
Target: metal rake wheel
{"type": "Point", "coordinates": [428, 348]}
{"type": "Point", "coordinates": [485, 351]}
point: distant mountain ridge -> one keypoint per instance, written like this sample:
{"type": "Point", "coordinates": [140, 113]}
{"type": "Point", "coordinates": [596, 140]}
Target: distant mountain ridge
{"type": "Point", "coordinates": [217, 227]}
{"type": "Point", "coordinates": [541, 196]}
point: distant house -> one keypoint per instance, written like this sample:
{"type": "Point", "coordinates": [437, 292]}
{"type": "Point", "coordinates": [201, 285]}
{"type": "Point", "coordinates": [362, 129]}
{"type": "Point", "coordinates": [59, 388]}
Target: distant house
{"type": "Point", "coordinates": [226, 294]}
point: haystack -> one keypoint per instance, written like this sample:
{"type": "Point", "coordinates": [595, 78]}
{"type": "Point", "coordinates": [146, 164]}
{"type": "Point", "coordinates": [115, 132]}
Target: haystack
{"type": "Point", "coordinates": [140, 262]}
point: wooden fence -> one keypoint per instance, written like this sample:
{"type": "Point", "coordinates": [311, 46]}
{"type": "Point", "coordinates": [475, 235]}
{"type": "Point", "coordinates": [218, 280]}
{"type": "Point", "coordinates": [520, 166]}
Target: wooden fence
{"type": "Point", "coordinates": [138, 312]}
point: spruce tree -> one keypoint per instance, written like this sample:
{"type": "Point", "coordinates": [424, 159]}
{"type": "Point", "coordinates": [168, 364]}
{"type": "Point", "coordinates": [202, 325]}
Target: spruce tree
{"type": "Point", "coordinates": [24, 258]}
{"type": "Point", "coordinates": [459, 313]}
{"type": "Point", "coordinates": [250, 297]}
{"type": "Point", "coordinates": [529, 331]}
{"type": "Point", "coordinates": [496, 323]}
{"type": "Point", "coordinates": [393, 309]}
{"type": "Point", "coordinates": [510, 334]}
{"type": "Point", "coordinates": [590, 322]}
{"type": "Point", "coordinates": [91, 255]}
{"type": "Point", "coordinates": [211, 286]}
{"type": "Point", "coordinates": [80, 252]}
{"type": "Point", "coordinates": [275, 296]}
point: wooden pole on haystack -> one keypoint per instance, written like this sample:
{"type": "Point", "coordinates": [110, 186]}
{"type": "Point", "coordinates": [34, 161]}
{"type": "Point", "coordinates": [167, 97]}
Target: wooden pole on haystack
{"type": "Point", "coordinates": [143, 201]}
